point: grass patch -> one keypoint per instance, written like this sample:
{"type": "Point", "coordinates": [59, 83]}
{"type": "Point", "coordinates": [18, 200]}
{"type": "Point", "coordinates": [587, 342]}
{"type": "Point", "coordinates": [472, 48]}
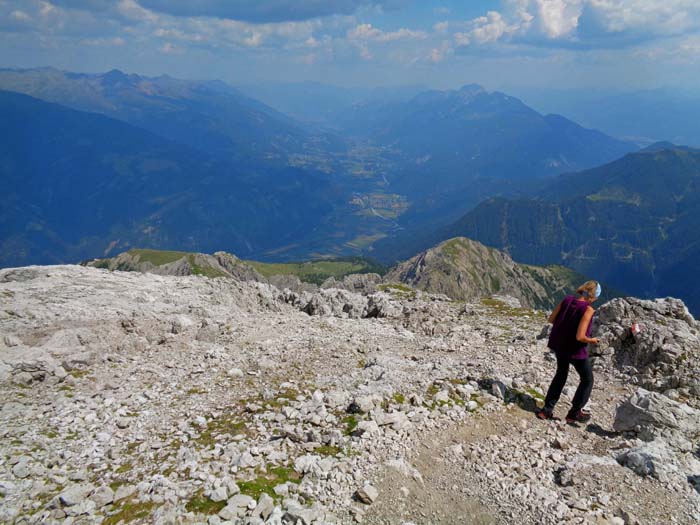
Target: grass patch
{"type": "Point", "coordinates": [123, 469]}
{"type": "Point", "coordinates": [157, 257]}
{"type": "Point", "coordinates": [282, 399]}
{"type": "Point", "coordinates": [206, 271]}
{"type": "Point", "coordinates": [502, 309]}
{"type": "Point", "coordinates": [318, 271]}
{"type": "Point", "coordinates": [203, 505]}
{"type": "Point", "coordinates": [79, 372]}
{"type": "Point", "coordinates": [534, 393]}
{"type": "Point", "coordinates": [221, 426]}
{"type": "Point", "coordinates": [364, 241]}
{"type": "Point", "coordinates": [266, 483]}
{"type": "Point", "coordinates": [114, 485]}
{"type": "Point", "coordinates": [101, 263]}
{"type": "Point", "coordinates": [194, 391]}
{"type": "Point", "coordinates": [452, 399]}
{"type": "Point", "coordinates": [129, 510]}
{"type": "Point", "coordinates": [327, 450]}
{"type": "Point", "coordinates": [432, 390]}
{"type": "Point", "coordinates": [399, 398]}
{"type": "Point", "coordinates": [350, 424]}
{"type": "Point", "coordinates": [397, 289]}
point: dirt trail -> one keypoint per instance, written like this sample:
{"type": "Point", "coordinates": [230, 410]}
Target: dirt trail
{"type": "Point", "coordinates": [440, 497]}
{"type": "Point", "coordinates": [466, 489]}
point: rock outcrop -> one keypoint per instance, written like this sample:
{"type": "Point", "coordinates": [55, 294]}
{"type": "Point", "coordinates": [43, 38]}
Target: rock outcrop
{"type": "Point", "coordinates": [364, 283]}
{"type": "Point", "coordinates": [650, 415]}
{"type": "Point", "coordinates": [464, 269]}
{"type": "Point", "coordinates": [664, 353]}
{"type": "Point", "coordinates": [161, 262]}
{"type": "Point", "coordinates": [667, 433]}
{"type": "Point", "coordinates": [342, 303]}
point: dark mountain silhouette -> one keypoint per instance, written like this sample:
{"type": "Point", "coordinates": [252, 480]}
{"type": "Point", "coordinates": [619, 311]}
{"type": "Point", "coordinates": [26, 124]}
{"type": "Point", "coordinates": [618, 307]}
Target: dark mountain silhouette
{"type": "Point", "coordinates": [457, 136]}
{"type": "Point", "coordinates": [632, 223]}
{"type": "Point", "coordinates": [78, 184]}
{"type": "Point", "coordinates": [210, 116]}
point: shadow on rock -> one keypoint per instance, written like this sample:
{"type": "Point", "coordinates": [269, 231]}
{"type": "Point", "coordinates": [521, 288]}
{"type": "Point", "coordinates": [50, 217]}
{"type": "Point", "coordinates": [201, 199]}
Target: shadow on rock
{"type": "Point", "coordinates": [600, 431]}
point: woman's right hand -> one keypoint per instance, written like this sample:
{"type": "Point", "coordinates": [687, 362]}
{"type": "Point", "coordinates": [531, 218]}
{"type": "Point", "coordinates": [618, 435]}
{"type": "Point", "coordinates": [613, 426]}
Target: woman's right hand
{"type": "Point", "coordinates": [594, 341]}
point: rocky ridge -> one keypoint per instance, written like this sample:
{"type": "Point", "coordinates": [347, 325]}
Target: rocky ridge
{"type": "Point", "coordinates": [141, 398]}
{"type": "Point", "coordinates": [159, 262]}
{"type": "Point", "coordinates": [467, 270]}
{"type": "Point", "coordinates": [459, 268]}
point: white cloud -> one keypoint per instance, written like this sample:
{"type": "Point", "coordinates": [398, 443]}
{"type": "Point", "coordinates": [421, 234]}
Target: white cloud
{"type": "Point", "coordinates": [131, 10]}
{"type": "Point", "coordinates": [489, 28]}
{"type": "Point", "coordinates": [170, 49]}
{"type": "Point", "coordinates": [361, 35]}
{"type": "Point", "coordinates": [441, 27]}
{"type": "Point", "coordinates": [104, 42]}
{"type": "Point", "coordinates": [669, 17]}
{"type": "Point", "coordinates": [439, 54]}
{"type": "Point", "coordinates": [462, 39]}
{"type": "Point", "coordinates": [367, 32]}
{"type": "Point", "coordinates": [20, 16]}
{"type": "Point", "coordinates": [486, 29]}
{"type": "Point", "coordinates": [586, 22]}
{"type": "Point", "coordinates": [558, 18]}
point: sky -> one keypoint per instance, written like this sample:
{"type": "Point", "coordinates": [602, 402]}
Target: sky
{"type": "Point", "coordinates": [561, 44]}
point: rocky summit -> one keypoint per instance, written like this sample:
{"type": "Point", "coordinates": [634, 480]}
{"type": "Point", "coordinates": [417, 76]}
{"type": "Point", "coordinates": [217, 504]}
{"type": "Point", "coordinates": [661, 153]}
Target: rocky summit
{"type": "Point", "coordinates": [465, 269]}
{"type": "Point", "coordinates": [130, 397]}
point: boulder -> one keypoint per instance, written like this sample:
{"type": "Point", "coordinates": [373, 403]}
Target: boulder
{"type": "Point", "coordinates": [651, 414]}
{"type": "Point", "coordinates": [654, 459]}
{"type": "Point", "coordinates": [367, 494]}
{"type": "Point", "coordinates": [664, 352]}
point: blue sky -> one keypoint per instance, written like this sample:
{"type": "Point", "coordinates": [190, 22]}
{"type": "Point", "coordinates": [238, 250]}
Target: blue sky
{"type": "Point", "coordinates": [528, 43]}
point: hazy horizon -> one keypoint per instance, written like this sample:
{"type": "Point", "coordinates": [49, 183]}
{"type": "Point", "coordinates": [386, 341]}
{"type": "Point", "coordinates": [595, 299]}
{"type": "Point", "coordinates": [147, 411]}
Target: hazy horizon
{"type": "Point", "coordinates": [506, 45]}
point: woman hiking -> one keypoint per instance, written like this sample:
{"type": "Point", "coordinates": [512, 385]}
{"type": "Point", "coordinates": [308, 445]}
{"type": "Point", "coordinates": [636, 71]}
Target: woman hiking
{"type": "Point", "coordinates": [569, 339]}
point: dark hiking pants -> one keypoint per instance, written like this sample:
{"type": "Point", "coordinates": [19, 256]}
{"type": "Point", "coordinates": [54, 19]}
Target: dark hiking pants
{"type": "Point", "coordinates": [583, 392]}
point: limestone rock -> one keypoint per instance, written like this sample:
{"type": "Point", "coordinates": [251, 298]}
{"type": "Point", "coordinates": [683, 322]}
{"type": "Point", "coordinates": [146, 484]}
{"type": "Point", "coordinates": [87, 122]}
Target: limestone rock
{"type": "Point", "coordinates": [653, 459]}
{"type": "Point", "coordinates": [75, 494]}
{"type": "Point", "coordinates": [665, 353]}
{"type": "Point", "coordinates": [367, 494]}
{"type": "Point", "coordinates": [652, 414]}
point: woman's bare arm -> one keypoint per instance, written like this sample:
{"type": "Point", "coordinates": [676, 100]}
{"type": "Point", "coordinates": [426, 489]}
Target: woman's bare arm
{"type": "Point", "coordinates": [554, 314]}
{"type": "Point", "coordinates": [583, 328]}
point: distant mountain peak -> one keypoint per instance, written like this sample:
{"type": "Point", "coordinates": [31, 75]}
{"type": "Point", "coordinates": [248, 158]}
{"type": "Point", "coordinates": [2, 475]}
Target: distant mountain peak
{"type": "Point", "coordinates": [464, 269]}
{"type": "Point", "coordinates": [666, 145]}
{"type": "Point", "coordinates": [472, 89]}
{"type": "Point", "coordinates": [115, 76]}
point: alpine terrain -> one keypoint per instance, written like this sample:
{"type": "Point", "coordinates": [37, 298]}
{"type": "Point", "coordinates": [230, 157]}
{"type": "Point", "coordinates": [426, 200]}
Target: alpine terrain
{"type": "Point", "coordinates": [140, 398]}
{"type": "Point", "coordinates": [632, 223]}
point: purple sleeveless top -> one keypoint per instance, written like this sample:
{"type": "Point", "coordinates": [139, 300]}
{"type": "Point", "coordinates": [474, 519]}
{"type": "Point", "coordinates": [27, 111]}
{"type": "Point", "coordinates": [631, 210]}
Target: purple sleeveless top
{"type": "Point", "coordinates": [562, 339]}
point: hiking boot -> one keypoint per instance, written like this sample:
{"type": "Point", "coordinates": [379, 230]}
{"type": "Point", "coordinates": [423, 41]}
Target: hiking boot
{"type": "Point", "coordinates": [545, 414]}
{"type": "Point", "coordinates": [580, 416]}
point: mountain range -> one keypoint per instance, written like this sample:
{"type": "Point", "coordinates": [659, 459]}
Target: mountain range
{"type": "Point", "coordinates": [642, 116]}
{"type": "Point", "coordinates": [212, 117]}
{"type": "Point", "coordinates": [460, 268]}
{"type": "Point", "coordinates": [633, 223]}
{"type": "Point", "coordinates": [100, 163]}
{"type": "Point", "coordinates": [232, 173]}
{"type": "Point", "coordinates": [81, 184]}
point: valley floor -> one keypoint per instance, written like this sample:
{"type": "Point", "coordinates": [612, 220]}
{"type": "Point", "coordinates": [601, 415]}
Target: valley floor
{"type": "Point", "coordinates": [131, 398]}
